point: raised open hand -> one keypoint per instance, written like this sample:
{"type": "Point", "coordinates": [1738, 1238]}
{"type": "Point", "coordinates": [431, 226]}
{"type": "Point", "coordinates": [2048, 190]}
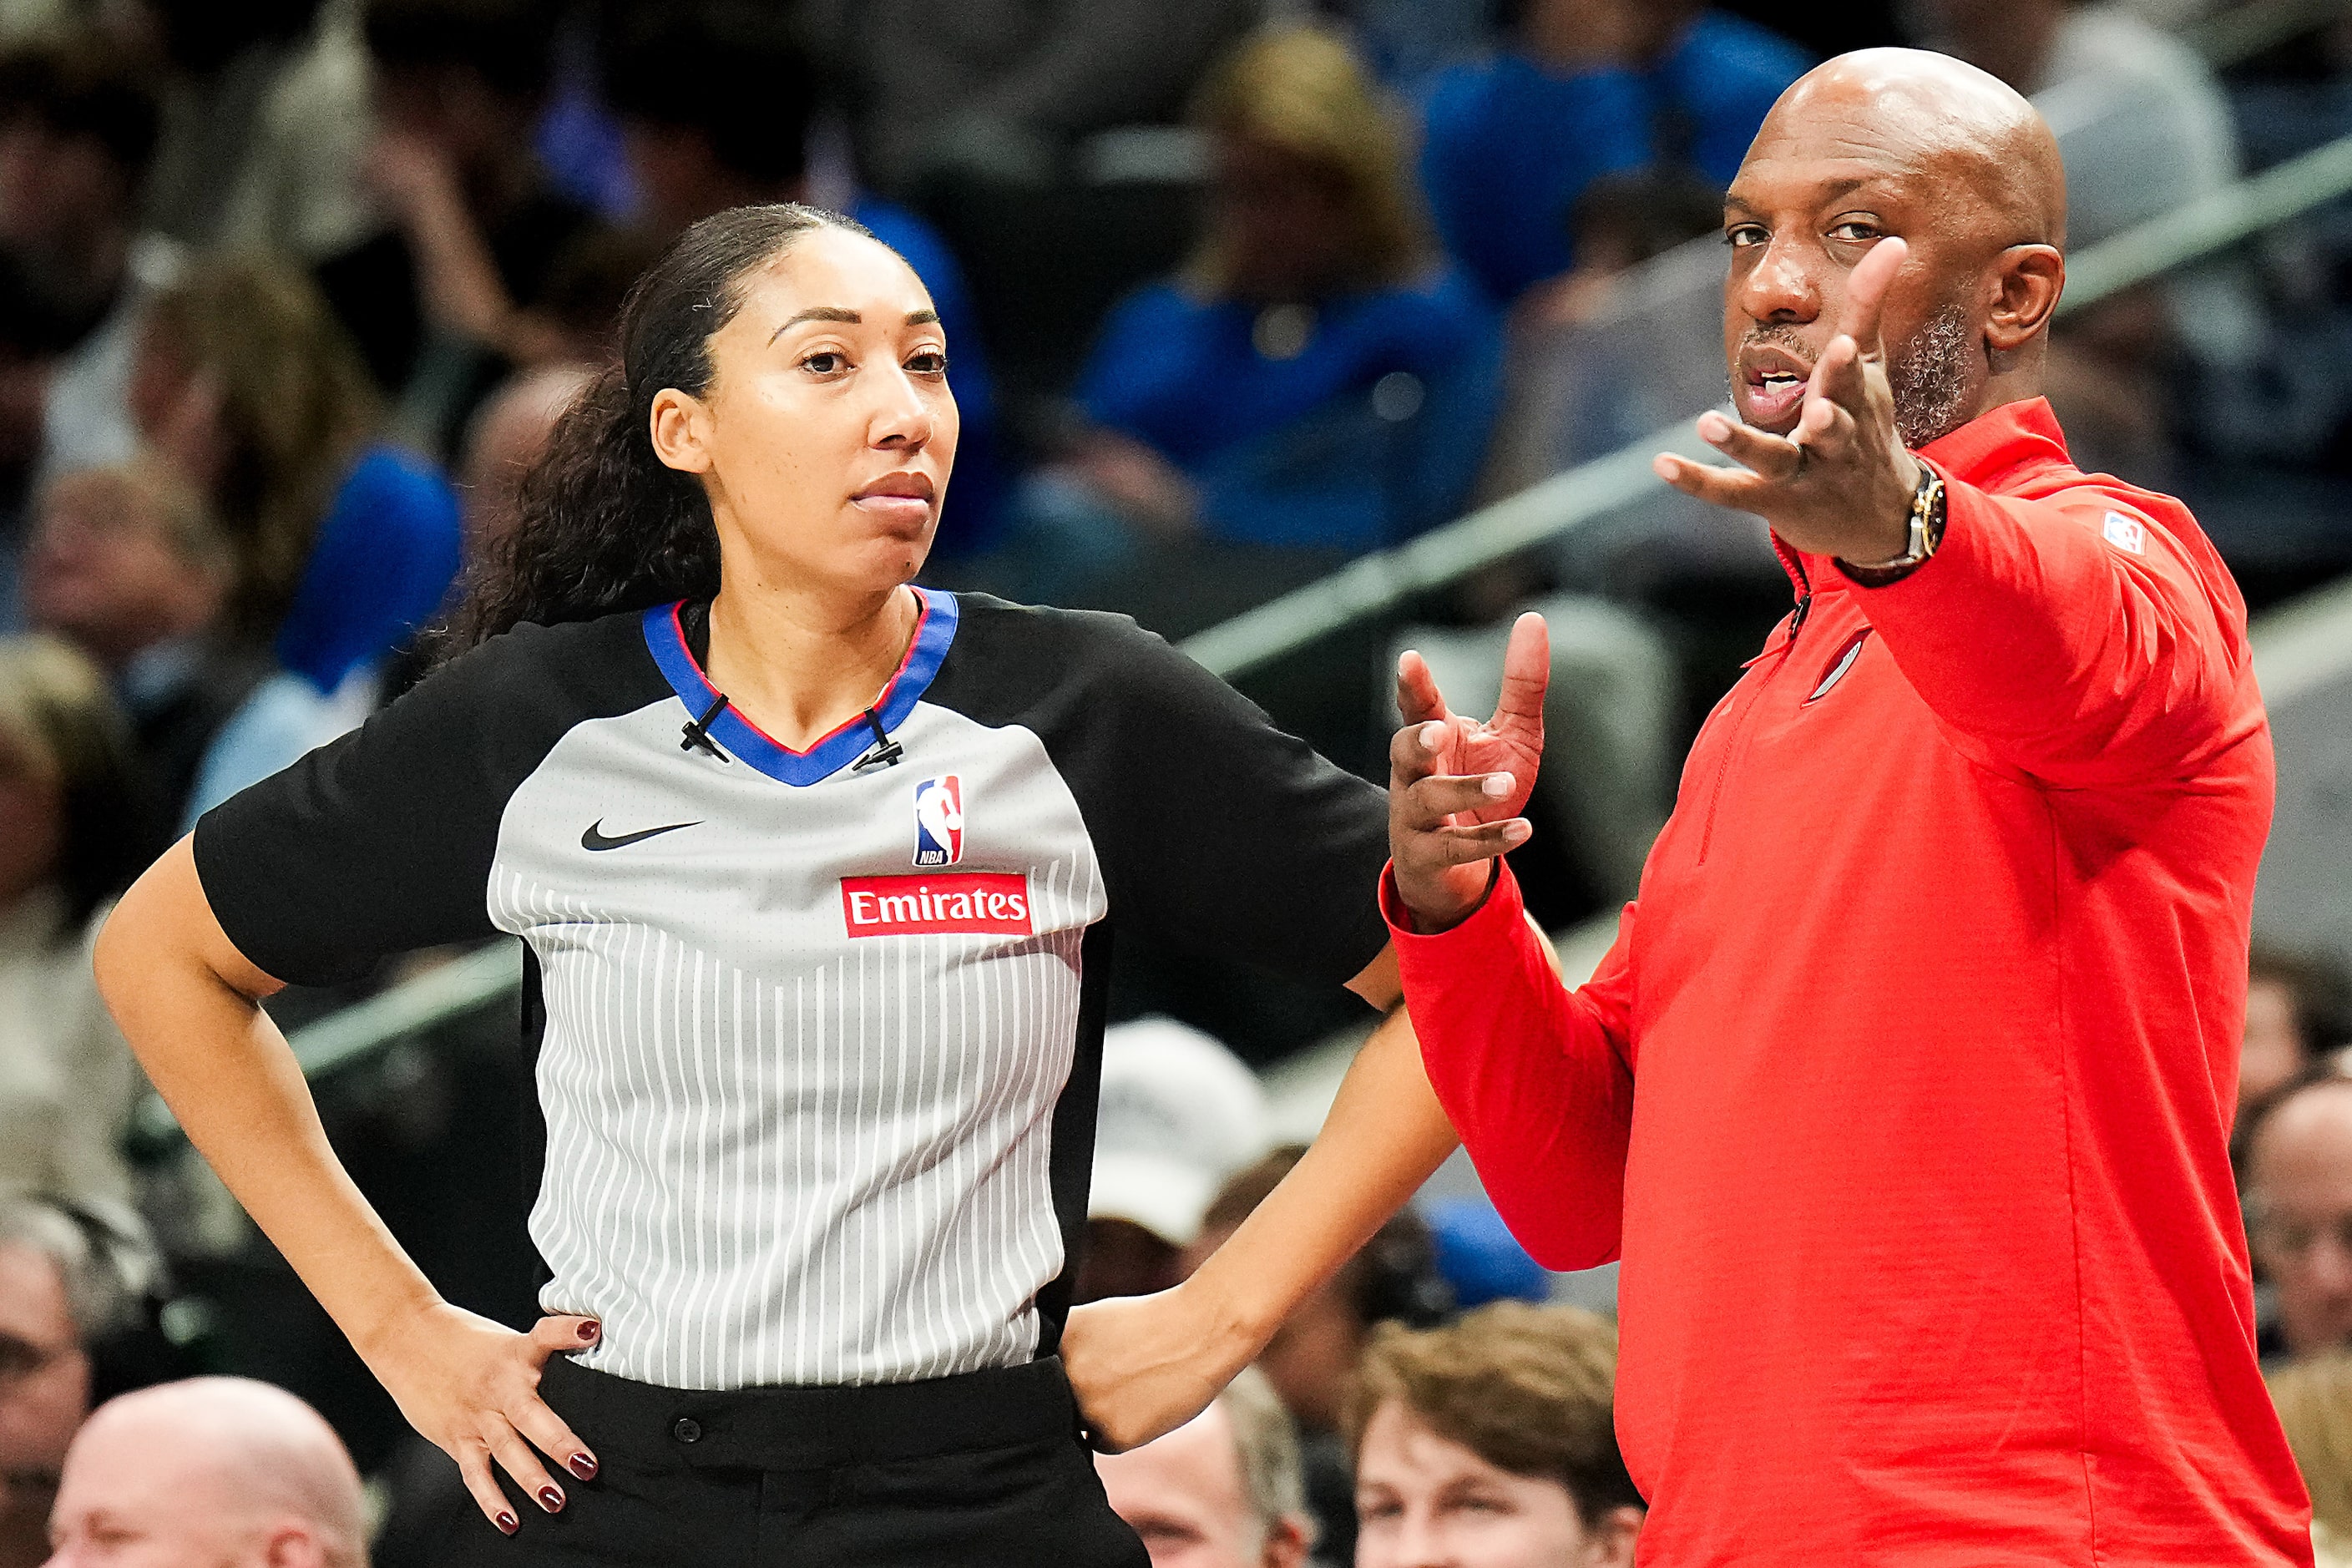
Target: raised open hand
{"type": "Point", "coordinates": [1841, 483]}
{"type": "Point", "coordinates": [1456, 785]}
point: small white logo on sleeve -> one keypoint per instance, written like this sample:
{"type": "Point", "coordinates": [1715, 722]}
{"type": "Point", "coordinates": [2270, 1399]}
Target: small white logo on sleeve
{"type": "Point", "coordinates": [2125, 533]}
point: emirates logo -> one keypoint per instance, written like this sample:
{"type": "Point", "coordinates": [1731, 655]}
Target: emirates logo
{"type": "Point", "coordinates": [970, 903]}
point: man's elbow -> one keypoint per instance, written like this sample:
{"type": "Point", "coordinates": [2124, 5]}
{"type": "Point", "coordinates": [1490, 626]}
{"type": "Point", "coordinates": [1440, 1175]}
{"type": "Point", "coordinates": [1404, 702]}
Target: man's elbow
{"type": "Point", "coordinates": [1571, 1253]}
{"type": "Point", "coordinates": [1560, 1239]}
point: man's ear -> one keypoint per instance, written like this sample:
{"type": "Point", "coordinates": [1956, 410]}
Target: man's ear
{"type": "Point", "coordinates": [1288, 1543]}
{"type": "Point", "coordinates": [681, 431]}
{"type": "Point", "coordinates": [1611, 1540]}
{"type": "Point", "coordinates": [2027, 281]}
{"type": "Point", "coordinates": [292, 1546]}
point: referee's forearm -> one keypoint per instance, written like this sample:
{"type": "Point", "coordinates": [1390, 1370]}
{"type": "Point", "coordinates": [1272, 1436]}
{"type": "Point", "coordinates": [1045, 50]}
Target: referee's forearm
{"type": "Point", "coordinates": [1385, 1136]}
{"type": "Point", "coordinates": [228, 1075]}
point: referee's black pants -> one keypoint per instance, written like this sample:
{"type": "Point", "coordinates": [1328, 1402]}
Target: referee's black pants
{"type": "Point", "coordinates": [976, 1471]}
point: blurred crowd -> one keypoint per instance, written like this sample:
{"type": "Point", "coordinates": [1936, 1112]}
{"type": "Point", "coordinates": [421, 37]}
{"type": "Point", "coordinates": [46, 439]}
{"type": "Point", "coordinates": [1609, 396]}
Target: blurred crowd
{"type": "Point", "coordinates": [291, 292]}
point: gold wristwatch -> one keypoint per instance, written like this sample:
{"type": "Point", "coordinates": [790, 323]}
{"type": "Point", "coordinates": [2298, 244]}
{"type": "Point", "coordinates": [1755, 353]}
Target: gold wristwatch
{"type": "Point", "coordinates": [1926, 533]}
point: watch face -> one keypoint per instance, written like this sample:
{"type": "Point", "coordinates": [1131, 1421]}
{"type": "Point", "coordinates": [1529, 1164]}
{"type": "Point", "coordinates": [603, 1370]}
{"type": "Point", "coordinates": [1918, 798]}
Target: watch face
{"type": "Point", "coordinates": [1927, 519]}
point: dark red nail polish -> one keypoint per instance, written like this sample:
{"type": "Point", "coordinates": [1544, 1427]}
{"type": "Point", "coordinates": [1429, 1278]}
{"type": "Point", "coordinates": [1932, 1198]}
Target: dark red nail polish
{"type": "Point", "coordinates": [583, 1465]}
{"type": "Point", "coordinates": [590, 1330]}
{"type": "Point", "coordinates": [507, 1523]}
{"type": "Point", "coordinates": [551, 1499]}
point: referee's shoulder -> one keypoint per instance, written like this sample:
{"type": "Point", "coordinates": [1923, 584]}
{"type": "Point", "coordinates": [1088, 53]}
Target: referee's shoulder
{"type": "Point", "coordinates": [530, 662]}
{"type": "Point", "coordinates": [1049, 631]}
{"type": "Point", "coordinates": [1040, 652]}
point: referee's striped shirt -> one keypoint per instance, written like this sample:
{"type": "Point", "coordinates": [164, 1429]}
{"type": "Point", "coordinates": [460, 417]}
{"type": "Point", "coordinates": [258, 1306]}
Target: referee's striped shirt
{"type": "Point", "coordinates": [816, 1043]}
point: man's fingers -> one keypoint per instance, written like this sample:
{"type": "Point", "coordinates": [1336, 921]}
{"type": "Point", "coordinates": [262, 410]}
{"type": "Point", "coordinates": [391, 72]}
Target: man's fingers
{"type": "Point", "coordinates": [1418, 698]}
{"type": "Point", "coordinates": [1866, 293]}
{"type": "Point", "coordinates": [1527, 673]}
{"type": "Point", "coordinates": [1434, 800]}
{"type": "Point", "coordinates": [1825, 428]}
{"type": "Point", "coordinates": [474, 1465]}
{"type": "Point", "coordinates": [1737, 489]}
{"type": "Point", "coordinates": [1415, 752]}
{"type": "Point", "coordinates": [1840, 383]}
{"type": "Point", "coordinates": [1774, 457]}
{"type": "Point", "coordinates": [1478, 841]}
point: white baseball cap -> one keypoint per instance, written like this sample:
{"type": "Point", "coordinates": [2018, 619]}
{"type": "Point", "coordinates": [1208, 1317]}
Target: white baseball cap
{"type": "Point", "coordinates": [1179, 1114]}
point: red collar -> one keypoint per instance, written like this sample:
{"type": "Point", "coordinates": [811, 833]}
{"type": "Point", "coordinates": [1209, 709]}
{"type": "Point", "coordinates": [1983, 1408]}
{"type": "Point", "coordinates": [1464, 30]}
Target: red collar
{"type": "Point", "coordinates": [1990, 452]}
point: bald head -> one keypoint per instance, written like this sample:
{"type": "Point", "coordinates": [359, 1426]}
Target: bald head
{"type": "Point", "coordinates": [213, 1470]}
{"type": "Point", "coordinates": [2299, 1210]}
{"type": "Point", "coordinates": [1898, 142]}
{"type": "Point", "coordinates": [1224, 1490]}
{"type": "Point", "coordinates": [507, 436]}
{"type": "Point", "coordinates": [1936, 115]}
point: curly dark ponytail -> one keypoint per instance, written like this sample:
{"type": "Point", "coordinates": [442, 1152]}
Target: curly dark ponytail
{"type": "Point", "coordinates": [604, 524]}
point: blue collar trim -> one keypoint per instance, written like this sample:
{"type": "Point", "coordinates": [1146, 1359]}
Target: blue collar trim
{"type": "Point", "coordinates": [665, 640]}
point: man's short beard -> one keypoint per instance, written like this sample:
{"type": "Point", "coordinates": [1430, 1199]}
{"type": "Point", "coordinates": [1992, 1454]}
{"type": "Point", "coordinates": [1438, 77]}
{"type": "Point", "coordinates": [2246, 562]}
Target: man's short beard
{"type": "Point", "coordinates": [1928, 374]}
{"type": "Point", "coordinates": [1929, 378]}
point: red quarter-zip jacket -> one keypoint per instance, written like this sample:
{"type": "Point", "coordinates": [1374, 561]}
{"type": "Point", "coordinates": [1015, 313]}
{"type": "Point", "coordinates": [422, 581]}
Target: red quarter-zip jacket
{"type": "Point", "coordinates": [1905, 1093]}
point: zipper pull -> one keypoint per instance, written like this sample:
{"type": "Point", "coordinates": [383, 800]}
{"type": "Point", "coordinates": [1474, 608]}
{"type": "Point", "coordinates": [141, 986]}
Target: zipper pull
{"type": "Point", "coordinates": [1796, 620]}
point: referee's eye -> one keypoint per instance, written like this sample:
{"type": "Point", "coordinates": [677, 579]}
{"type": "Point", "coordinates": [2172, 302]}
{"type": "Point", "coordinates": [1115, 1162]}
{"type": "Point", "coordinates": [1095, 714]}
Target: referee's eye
{"type": "Point", "coordinates": [825, 361]}
{"type": "Point", "coordinates": [930, 361]}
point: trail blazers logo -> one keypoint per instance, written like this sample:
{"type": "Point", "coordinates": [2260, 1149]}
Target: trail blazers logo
{"type": "Point", "coordinates": [938, 821]}
{"type": "Point", "coordinates": [1840, 664]}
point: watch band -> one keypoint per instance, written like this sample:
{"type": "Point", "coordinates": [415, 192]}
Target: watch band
{"type": "Point", "coordinates": [1926, 532]}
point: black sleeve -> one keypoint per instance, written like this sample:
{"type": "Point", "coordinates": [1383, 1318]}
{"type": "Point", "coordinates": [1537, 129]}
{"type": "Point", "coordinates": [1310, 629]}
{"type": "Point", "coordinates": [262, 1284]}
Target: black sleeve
{"type": "Point", "coordinates": [1226, 834]}
{"type": "Point", "coordinates": [380, 842]}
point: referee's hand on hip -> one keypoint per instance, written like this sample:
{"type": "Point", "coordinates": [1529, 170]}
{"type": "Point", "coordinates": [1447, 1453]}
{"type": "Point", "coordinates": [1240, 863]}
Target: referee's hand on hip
{"type": "Point", "coordinates": [471, 1386]}
{"type": "Point", "coordinates": [1456, 787]}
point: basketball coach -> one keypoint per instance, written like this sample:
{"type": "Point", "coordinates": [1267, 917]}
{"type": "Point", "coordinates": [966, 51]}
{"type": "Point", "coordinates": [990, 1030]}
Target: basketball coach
{"type": "Point", "coordinates": [1905, 1092]}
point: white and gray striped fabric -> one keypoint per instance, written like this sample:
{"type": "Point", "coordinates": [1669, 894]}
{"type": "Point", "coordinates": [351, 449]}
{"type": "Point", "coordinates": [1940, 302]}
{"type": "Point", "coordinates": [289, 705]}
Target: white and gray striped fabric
{"type": "Point", "coordinates": [779, 1154]}
{"type": "Point", "coordinates": [815, 1032]}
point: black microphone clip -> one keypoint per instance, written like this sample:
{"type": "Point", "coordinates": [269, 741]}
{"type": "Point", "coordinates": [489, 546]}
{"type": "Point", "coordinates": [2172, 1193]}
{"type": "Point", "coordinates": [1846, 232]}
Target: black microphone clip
{"type": "Point", "coordinates": [697, 731]}
{"type": "Point", "coordinates": [886, 752]}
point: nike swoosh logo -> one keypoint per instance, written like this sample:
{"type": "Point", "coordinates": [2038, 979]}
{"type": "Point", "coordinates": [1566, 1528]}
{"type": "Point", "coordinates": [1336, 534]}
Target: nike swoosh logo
{"type": "Point", "coordinates": [593, 837]}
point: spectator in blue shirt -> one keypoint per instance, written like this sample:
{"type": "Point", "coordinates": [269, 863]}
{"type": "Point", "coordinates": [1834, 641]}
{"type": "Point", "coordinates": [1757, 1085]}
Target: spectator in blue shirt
{"type": "Point", "coordinates": [715, 100]}
{"type": "Point", "coordinates": [1585, 88]}
{"type": "Point", "coordinates": [1314, 377]}
{"type": "Point", "coordinates": [343, 544]}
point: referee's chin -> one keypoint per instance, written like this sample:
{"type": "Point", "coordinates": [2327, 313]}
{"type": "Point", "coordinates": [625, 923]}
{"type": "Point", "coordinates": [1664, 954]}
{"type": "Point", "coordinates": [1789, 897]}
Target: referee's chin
{"type": "Point", "coordinates": [884, 558]}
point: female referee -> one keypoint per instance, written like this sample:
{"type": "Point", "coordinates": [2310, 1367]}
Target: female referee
{"type": "Point", "coordinates": [817, 874]}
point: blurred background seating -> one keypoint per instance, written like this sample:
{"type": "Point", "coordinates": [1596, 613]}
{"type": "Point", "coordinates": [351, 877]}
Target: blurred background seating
{"type": "Point", "coordinates": [1303, 330]}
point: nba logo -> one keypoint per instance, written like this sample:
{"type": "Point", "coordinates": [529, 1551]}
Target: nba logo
{"type": "Point", "coordinates": [938, 821]}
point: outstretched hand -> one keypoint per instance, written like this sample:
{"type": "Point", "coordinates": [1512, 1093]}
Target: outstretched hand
{"type": "Point", "coordinates": [1456, 787]}
{"type": "Point", "coordinates": [1841, 483]}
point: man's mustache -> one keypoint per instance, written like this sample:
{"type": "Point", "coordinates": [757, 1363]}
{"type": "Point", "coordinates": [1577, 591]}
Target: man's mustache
{"type": "Point", "coordinates": [1926, 372]}
{"type": "Point", "coordinates": [1777, 336]}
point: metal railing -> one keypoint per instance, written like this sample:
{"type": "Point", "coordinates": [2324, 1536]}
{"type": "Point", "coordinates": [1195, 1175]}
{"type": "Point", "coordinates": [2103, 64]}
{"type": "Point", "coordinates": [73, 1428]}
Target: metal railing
{"type": "Point", "coordinates": [2303, 657]}
{"type": "Point", "coordinates": [2243, 31]}
{"type": "Point", "coordinates": [356, 1033]}
{"type": "Point", "coordinates": [1378, 584]}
